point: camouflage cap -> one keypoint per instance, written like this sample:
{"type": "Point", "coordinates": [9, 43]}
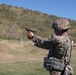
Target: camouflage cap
{"type": "Point", "coordinates": [61, 24]}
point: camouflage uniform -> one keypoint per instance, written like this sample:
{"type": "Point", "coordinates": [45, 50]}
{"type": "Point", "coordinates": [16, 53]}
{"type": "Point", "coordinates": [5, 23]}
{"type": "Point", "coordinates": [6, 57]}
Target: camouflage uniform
{"type": "Point", "coordinates": [56, 44]}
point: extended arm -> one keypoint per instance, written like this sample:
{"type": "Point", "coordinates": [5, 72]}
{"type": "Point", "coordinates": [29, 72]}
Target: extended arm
{"type": "Point", "coordinates": [39, 41]}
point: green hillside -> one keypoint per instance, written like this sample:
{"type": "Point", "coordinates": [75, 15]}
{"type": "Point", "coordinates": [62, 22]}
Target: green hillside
{"type": "Point", "coordinates": [13, 19]}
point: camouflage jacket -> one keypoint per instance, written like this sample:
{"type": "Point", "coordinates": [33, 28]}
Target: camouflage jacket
{"type": "Point", "coordinates": [56, 45]}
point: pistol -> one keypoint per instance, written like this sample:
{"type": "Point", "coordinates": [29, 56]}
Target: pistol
{"type": "Point", "coordinates": [28, 29]}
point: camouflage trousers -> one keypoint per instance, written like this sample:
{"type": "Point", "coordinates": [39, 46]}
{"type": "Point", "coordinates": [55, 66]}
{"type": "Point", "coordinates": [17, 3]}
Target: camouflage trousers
{"type": "Point", "coordinates": [54, 73]}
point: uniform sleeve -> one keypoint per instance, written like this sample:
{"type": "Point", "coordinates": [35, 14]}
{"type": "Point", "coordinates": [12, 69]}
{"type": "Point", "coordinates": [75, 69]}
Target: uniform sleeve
{"type": "Point", "coordinates": [43, 43]}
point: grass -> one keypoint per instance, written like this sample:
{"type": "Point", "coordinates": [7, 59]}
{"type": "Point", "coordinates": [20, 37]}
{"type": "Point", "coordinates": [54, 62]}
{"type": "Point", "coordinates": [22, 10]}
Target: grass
{"type": "Point", "coordinates": [73, 61]}
{"type": "Point", "coordinates": [24, 59]}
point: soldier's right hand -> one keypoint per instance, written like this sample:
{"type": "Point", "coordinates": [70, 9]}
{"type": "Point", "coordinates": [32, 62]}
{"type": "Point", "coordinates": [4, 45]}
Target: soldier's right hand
{"type": "Point", "coordinates": [30, 35]}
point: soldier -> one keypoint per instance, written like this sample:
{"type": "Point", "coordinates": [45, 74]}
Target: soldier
{"type": "Point", "coordinates": [56, 44]}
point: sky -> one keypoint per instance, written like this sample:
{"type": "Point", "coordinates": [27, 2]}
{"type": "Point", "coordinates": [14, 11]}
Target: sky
{"type": "Point", "coordinates": [60, 8]}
